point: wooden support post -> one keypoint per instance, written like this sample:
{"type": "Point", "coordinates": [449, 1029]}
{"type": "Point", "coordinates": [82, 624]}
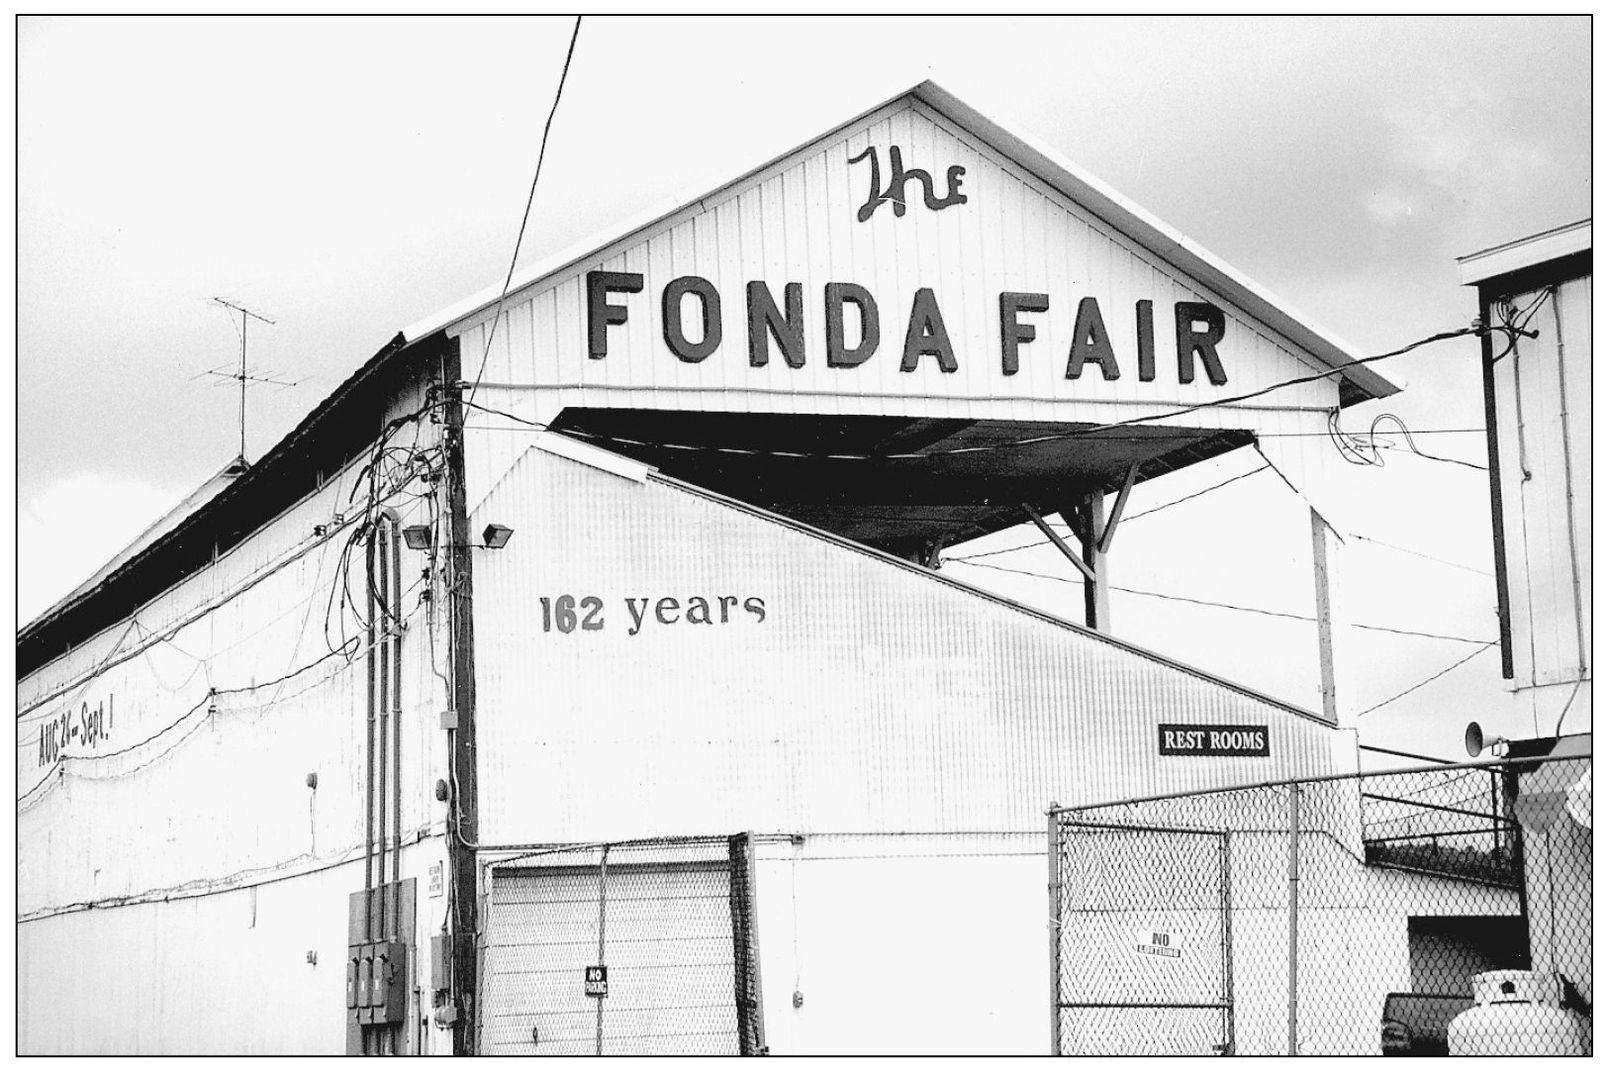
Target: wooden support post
{"type": "Point", "coordinates": [1096, 592]}
{"type": "Point", "coordinates": [1323, 577]}
{"type": "Point", "coordinates": [1110, 531]}
{"type": "Point", "coordinates": [1086, 516]}
{"type": "Point", "coordinates": [1059, 542]}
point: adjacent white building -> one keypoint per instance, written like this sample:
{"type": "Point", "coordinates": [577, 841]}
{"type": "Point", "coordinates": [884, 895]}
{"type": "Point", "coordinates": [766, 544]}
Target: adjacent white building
{"type": "Point", "coordinates": [1536, 294]}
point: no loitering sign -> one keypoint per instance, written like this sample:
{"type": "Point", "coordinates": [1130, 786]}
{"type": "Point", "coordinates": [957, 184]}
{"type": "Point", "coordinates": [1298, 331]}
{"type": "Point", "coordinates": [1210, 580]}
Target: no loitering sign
{"type": "Point", "coordinates": [1157, 945]}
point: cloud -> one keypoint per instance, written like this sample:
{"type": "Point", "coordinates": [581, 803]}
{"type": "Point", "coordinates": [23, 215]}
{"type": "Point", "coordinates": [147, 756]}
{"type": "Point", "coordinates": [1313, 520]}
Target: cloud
{"type": "Point", "coordinates": [74, 525]}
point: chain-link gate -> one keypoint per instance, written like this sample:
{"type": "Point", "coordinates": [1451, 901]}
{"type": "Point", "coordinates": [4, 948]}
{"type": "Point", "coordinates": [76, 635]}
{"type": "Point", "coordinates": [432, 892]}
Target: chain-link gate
{"type": "Point", "coordinates": [1424, 911]}
{"type": "Point", "coordinates": [635, 948]}
{"type": "Point", "coordinates": [1141, 937]}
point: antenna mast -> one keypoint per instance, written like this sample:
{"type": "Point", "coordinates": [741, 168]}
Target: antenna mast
{"type": "Point", "coordinates": [246, 315]}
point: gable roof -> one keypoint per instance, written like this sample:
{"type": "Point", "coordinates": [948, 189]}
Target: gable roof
{"type": "Point", "coordinates": [1167, 243]}
{"type": "Point", "coordinates": [1518, 255]}
{"type": "Point", "coordinates": [188, 538]}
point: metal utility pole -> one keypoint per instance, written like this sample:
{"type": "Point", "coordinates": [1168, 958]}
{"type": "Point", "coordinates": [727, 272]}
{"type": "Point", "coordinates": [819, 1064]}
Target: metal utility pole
{"type": "Point", "coordinates": [246, 315]}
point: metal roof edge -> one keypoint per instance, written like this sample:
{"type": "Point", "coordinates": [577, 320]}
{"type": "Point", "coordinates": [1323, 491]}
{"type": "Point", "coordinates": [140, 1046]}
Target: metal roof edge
{"type": "Point", "coordinates": [1520, 253]}
{"type": "Point", "coordinates": [986, 595]}
{"type": "Point", "coordinates": [560, 444]}
{"type": "Point", "coordinates": [1159, 237]}
{"type": "Point", "coordinates": [152, 533]}
{"type": "Point", "coordinates": [87, 591]}
{"type": "Point", "coordinates": [1151, 233]}
{"type": "Point", "coordinates": [620, 231]}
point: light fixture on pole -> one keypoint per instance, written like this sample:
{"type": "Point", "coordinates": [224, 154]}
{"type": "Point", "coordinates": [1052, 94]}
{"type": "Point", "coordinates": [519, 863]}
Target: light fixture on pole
{"type": "Point", "coordinates": [495, 536]}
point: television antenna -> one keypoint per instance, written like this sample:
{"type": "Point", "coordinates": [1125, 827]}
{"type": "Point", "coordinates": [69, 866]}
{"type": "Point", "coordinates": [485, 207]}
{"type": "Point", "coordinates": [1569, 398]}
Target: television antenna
{"type": "Point", "coordinates": [243, 376]}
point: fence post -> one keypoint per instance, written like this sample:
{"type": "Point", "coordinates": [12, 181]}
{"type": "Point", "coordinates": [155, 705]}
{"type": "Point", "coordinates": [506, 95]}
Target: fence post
{"type": "Point", "coordinates": [602, 918]}
{"type": "Point", "coordinates": [1295, 883]}
{"type": "Point", "coordinates": [1055, 929]}
{"type": "Point", "coordinates": [1496, 824]}
{"type": "Point", "coordinates": [751, 928]}
{"type": "Point", "coordinates": [1226, 899]}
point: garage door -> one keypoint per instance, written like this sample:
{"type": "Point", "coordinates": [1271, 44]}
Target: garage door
{"type": "Point", "coordinates": [676, 973]}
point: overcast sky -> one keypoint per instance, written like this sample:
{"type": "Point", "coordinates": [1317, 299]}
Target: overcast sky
{"type": "Point", "coordinates": [348, 177]}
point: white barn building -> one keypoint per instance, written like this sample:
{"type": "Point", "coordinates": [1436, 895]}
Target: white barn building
{"type": "Point", "coordinates": [638, 554]}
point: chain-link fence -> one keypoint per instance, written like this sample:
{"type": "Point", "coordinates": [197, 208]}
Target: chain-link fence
{"type": "Point", "coordinates": [1347, 915]}
{"type": "Point", "coordinates": [645, 947]}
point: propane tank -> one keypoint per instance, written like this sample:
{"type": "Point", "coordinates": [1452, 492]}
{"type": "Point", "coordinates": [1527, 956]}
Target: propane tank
{"type": "Point", "coordinates": [1517, 1012]}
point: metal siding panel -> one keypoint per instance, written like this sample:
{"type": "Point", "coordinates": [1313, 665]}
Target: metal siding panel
{"type": "Point", "coordinates": [1546, 550]}
{"type": "Point", "coordinates": [184, 814]}
{"type": "Point", "coordinates": [872, 697]}
{"type": "Point", "coordinates": [162, 978]}
{"type": "Point", "coordinates": [668, 948]}
{"type": "Point", "coordinates": [1576, 310]}
{"type": "Point", "coordinates": [1507, 414]}
{"type": "Point", "coordinates": [1540, 574]}
{"type": "Point", "coordinates": [796, 222]}
{"type": "Point", "coordinates": [977, 988]}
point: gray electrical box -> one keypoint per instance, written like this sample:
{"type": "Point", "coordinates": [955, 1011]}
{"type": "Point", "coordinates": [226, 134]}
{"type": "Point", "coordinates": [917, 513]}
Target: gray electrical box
{"type": "Point", "coordinates": [380, 926]}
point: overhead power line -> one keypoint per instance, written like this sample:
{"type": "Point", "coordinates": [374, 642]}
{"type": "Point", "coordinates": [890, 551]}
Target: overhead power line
{"type": "Point", "coordinates": [1424, 556]}
{"type": "Point", "coordinates": [541, 154]}
{"type": "Point", "coordinates": [1427, 682]}
{"type": "Point", "coordinates": [1100, 431]}
{"type": "Point", "coordinates": [1220, 604]}
{"type": "Point", "coordinates": [1125, 519]}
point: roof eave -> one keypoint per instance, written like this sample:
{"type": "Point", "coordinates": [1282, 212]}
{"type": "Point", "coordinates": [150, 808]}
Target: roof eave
{"type": "Point", "coordinates": [202, 515]}
{"type": "Point", "coordinates": [1163, 240]}
{"type": "Point", "coordinates": [1523, 253]}
{"type": "Point", "coordinates": [1171, 245]}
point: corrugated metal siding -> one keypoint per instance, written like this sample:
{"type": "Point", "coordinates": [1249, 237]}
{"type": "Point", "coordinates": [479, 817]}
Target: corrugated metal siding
{"type": "Point", "coordinates": [1548, 635]}
{"type": "Point", "coordinates": [905, 945]}
{"type": "Point", "coordinates": [667, 946]}
{"type": "Point", "coordinates": [225, 974]}
{"type": "Point", "coordinates": [178, 800]}
{"type": "Point", "coordinates": [949, 933]}
{"type": "Point", "coordinates": [220, 793]}
{"type": "Point", "coordinates": [796, 221]}
{"type": "Point", "coordinates": [873, 696]}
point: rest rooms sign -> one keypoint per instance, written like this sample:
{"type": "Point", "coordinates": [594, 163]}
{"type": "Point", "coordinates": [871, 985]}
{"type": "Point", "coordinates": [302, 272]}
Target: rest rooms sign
{"type": "Point", "coordinates": [1213, 740]}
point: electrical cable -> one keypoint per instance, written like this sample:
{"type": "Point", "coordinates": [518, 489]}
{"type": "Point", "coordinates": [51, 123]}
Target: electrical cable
{"type": "Point", "coordinates": [291, 555]}
{"type": "Point", "coordinates": [197, 664]}
{"type": "Point", "coordinates": [1197, 493]}
{"type": "Point", "coordinates": [541, 154]}
{"type": "Point", "coordinates": [1428, 681]}
{"type": "Point", "coordinates": [50, 778]}
{"type": "Point", "coordinates": [135, 746]}
{"type": "Point", "coordinates": [203, 888]}
{"type": "Point", "coordinates": [1366, 449]}
{"type": "Point", "coordinates": [1416, 553]}
{"type": "Point", "coordinates": [1125, 519]}
{"type": "Point", "coordinates": [1285, 479]}
{"type": "Point", "coordinates": [111, 660]}
{"type": "Point", "coordinates": [1222, 604]}
{"type": "Point", "coordinates": [1557, 729]}
{"type": "Point", "coordinates": [210, 699]}
{"type": "Point", "coordinates": [1182, 433]}
{"type": "Point", "coordinates": [1423, 634]}
{"type": "Point", "coordinates": [1088, 432]}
